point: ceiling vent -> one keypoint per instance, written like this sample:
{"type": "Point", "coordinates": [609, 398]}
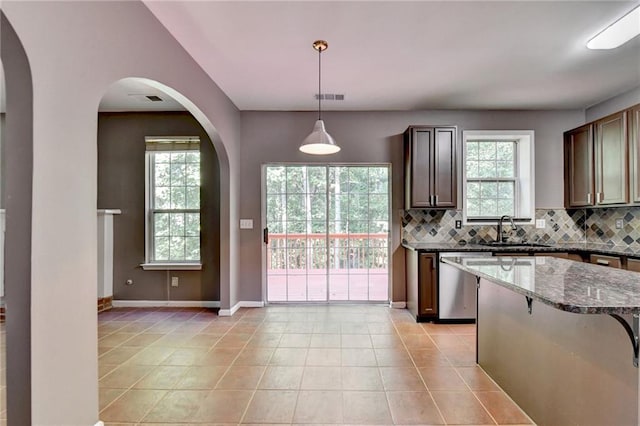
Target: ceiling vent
{"type": "Point", "coordinates": [330, 97]}
{"type": "Point", "coordinates": [154, 98]}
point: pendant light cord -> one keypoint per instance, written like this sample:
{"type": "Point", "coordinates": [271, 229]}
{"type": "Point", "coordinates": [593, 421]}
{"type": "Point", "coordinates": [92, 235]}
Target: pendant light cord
{"type": "Point", "coordinates": [319, 84]}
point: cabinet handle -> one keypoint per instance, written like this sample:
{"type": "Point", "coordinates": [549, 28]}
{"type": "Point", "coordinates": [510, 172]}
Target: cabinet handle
{"type": "Point", "coordinates": [436, 200]}
{"type": "Point", "coordinates": [600, 197]}
{"type": "Point", "coordinates": [602, 262]}
{"type": "Point", "coordinates": [431, 200]}
{"type": "Point", "coordinates": [588, 198]}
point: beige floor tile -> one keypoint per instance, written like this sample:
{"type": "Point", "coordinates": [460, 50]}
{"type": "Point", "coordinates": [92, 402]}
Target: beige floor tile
{"type": "Point", "coordinates": [384, 341]}
{"type": "Point", "coordinates": [322, 378]}
{"type": "Point", "coordinates": [161, 377]}
{"type": "Point", "coordinates": [410, 408]}
{"type": "Point", "coordinates": [185, 356]}
{"type": "Point", "coordinates": [365, 408]}
{"type": "Point", "coordinates": [143, 339]}
{"type": "Point", "coordinates": [442, 379]}
{"type": "Point", "coordinates": [401, 379]}
{"type": "Point", "coordinates": [132, 406]}
{"type": "Point", "coordinates": [354, 328]}
{"type": "Point", "coordinates": [381, 328]}
{"type": "Point", "coordinates": [356, 341]}
{"type": "Point", "coordinates": [461, 408]}
{"type": "Point", "coordinates": [502, 408]}
{"type": "Point", "coordinates": [289, 356]}
{"type": "Point", "coordinates": [460, 356]}
{"type": "Point", "coordinates": [115, 339]}
{"type": "Point", "coordinates": [201, 377]}
{"type": "Point", "coordinates": [299, 327]}
{"type": "Point", "coordinates": [324, 356]}
{"type": "Point", "coordinates": [477, 379]}
{"type": "Point", "coordinates": [103, 369]}
{"type": "Point", "coordinates": [125, 376]}
{"type": "Point", "coordinates": [152, 355]}
{"type": "Point", "coordinates": [447, 340]}
{"type": "Point", "coordinates": [254, 356]}
{"type": "Point", "coordinates": [106, 396]}
{"type": "Point", "coordinates": [361, 379]}
{"type": "Point", "coordinates": [177, 406]}
{"type": "Point", "coordinates": [233, 340]}
{"type": "Point", "coordinates": [271, 406]}
{"type": "Point", "coordinates": [327, 328]}
{"type": "Point", "coordinates": [319, 407]}
{"type": "Point", "coordinates": [201, 341]}
{"type": "Point", "coordinates": [298, 340]}
{"type": "Point", "coordinates": [429, 358]}
{"type": "Point", "coordinates": [358, 357]}
{"type": "Point", "coordinates": [421, 341]}
{"type": "Point", "coordinates": [219, 356]}
{"type": "Point", "coordinates": [266, 340]}
{"type": "Point", "coordinates": [118, 355]}
{"type": "Point", "coordinates": [325, 341]}
{"type": "Point", "coordinates": [281, 377]}
{"type": "Point", "coordinates": [241, 377]}
{"type": "Point", "coordinates": [393, 357]}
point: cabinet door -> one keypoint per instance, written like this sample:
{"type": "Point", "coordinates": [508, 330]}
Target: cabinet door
{"type": "Point", "coordinates": [418, 160]}
{"type": "Point", "coordinates": [427, 285]}
{"type": "Point", "coordinates": [444, 167]}
{"type": "Point", "coordinates": [634, 147]}
{"type": "Point", "coordinates": [611, 159]}
{"type": "Point", "coordinates": [578, 152]}
{"type": "Point", "coordinates": [633, 265]}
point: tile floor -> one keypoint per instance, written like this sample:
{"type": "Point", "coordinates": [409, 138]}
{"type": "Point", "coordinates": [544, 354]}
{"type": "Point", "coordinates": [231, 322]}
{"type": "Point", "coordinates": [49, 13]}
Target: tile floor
{"type": "Point", "coordinates": [292, 365]}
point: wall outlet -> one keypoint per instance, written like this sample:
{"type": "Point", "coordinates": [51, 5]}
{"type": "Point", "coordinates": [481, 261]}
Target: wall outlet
{"type": "Point", "coordinates": [246, 223]}
{"type": "Point", "coordinates": [619, 223]}
{"type": "Point", "coordinates": [174, 281]}
{"type": "Point", "coordinates": [541, 223]}
{"type": "Point", "coordinates": [458, 224]}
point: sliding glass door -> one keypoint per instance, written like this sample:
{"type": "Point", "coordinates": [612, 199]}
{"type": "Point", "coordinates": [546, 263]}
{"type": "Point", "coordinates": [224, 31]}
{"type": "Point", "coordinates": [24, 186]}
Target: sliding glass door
{"type": "Point", "coordinates": [328, 233]}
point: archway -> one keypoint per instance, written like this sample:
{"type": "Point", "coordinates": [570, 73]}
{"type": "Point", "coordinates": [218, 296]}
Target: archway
{"type": "Point", "coordinates": [17, 168]}
{"type": "Point", "coordinates": [131, 111]}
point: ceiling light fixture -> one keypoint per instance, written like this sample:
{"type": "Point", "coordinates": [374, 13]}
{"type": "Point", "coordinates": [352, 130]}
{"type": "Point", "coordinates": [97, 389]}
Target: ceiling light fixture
{"type": "Point", "coordinates": [618, 33]}
{"type": "Point", "coordinates": [319, 142]}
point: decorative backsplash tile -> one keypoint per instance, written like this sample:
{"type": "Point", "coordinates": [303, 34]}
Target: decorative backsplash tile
{"type": "Point", "coordinates": [439, 226]}
{"type": "Point", "coordinates": [601, 226]}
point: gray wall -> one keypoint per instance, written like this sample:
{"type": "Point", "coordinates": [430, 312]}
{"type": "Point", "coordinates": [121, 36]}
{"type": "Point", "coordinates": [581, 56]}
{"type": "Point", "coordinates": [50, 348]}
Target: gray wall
{"type": "Point", "coordinates": [376, 137]}
{"type": "Point", "coordinates": [121, 185]}
{"type": "Point", "coordinates": [615, 104]}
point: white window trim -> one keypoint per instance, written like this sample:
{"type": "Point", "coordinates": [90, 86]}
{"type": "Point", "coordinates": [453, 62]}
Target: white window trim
{"type": "Point", "coordinates": [150, 265]}
{"type": "Point", "coordinates": [525, 159]}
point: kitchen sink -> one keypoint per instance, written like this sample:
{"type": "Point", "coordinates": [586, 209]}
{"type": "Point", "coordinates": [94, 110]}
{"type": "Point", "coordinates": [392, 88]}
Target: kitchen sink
{"type": "Point", "coordinates": [513, 244]}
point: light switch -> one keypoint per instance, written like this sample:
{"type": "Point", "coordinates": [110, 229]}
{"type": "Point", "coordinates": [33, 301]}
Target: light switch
{"type": "Point", "coordinates": [246, 223]}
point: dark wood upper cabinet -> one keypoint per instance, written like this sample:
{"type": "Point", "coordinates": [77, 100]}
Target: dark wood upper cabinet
{"type": "Point", "coordinates": [597, 163]}
{"type": "Point", "coordinates": [611, 160]}
{"type": "Point", "coordinates": [578, 169]}
{"type": "Point", "coordinates": [430, 167]}
{"type": "Point", "coordinates": [634, 153]}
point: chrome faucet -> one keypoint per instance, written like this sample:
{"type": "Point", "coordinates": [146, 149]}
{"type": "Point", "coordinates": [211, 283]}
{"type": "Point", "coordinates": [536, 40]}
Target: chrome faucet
{"type": "Point", "coordinates": [500, 237]}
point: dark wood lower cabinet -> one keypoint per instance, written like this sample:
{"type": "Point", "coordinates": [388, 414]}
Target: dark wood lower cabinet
{"type": "Point", "coordinates": [422, 285]}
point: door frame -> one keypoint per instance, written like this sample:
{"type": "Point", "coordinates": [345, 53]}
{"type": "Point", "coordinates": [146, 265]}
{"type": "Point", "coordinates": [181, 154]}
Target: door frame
{"type": "Point", "coordinates": [263, 225]}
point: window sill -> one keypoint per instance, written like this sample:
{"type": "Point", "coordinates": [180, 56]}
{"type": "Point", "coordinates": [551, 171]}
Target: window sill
{"type": "Point", "coordinates": [157, 266]}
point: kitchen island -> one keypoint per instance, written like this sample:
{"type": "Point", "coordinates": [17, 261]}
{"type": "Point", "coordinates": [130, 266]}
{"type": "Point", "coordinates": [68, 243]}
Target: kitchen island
{"type": "Point", "coordinates": [560, 337]}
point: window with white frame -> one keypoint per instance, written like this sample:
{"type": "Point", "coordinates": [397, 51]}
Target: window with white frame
{"type": "Point", "coordinates": [173, 200]}
{"type": "Point", "coordinates": [498, 176]}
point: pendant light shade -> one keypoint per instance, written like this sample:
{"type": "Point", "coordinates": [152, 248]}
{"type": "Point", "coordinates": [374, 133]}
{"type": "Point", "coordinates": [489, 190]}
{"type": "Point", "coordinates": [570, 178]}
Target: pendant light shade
{"type": "Point", "coordinates": [319, 142]}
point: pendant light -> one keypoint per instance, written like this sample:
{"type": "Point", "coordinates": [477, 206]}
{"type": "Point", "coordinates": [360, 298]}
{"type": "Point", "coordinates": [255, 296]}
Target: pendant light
{"type": "Point", "coordinates": [319, 142]}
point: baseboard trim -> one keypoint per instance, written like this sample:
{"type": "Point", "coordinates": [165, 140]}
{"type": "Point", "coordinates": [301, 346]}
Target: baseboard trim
{"type": "Point", "coordinates": [241, 304]}
{"type": "Point", "coordinates": [166, 303]}
{"type": "Point", "coordinates": [398, 305]}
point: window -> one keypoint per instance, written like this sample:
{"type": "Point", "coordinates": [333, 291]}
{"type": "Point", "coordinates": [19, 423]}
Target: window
{"type": "Point", "coordinates": [173, 202]}
{"type": "Point", "coordinates": [498, 176]}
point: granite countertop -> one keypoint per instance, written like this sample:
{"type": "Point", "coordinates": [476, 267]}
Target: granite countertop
{"type": "Point", "coordinates": [564, 284]}
{"type": "Point", "coordinates": [559, 247]}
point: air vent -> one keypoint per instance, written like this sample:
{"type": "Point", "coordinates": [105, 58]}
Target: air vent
{"type": "Point", "coordinates": [154, 98]}
{"type": "Point", "coordinates": [330, 97]}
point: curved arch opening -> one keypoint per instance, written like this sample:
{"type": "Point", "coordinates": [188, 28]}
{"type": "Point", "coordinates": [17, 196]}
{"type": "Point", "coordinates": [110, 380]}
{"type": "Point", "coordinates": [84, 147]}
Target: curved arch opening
{"type": "Point", "coordinates": [155, 205]}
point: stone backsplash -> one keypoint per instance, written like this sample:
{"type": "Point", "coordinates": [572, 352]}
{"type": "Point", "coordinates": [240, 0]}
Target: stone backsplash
{"type": "Point", "coordinates": [562, 226]}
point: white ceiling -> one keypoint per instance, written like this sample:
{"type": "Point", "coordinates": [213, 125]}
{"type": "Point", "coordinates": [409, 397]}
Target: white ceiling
{"type": "Point", "coordinates": [392, 55]}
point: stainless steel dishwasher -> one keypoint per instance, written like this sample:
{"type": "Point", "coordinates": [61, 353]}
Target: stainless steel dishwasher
{"type": "Point", "coordinates": [457, 290]}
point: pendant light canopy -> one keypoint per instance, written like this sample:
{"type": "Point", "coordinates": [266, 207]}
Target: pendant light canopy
{"type": "Point", "coordinates": [319, 142]}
